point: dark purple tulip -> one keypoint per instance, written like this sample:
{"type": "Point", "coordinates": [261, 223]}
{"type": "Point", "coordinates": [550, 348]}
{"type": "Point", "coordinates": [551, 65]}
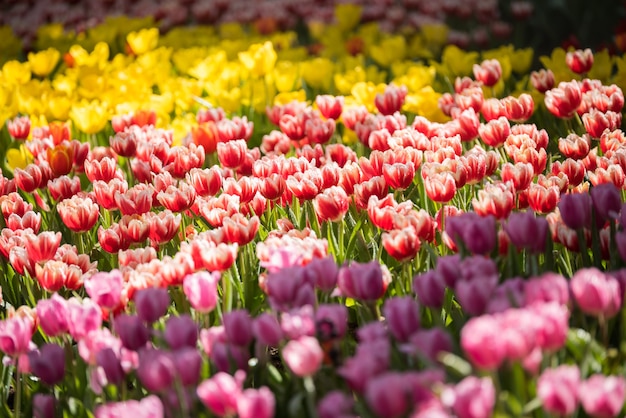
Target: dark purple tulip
{"type": "Point", "coordinates": [151, 304]}
{"type": "Point", "coordinates": [478, 233]}
{"type": "Point", "coordinates": [363, 281]}
{"type": "Point", "coordinates": [525, 230]}
{"type": "Point", "coordinates": [607, 201]}
{"type": "Point", "coordinates": [575, 209]}
{"type": "Point", "coordinates": [132, 331]}
{"type": "Point", "coordinates": [43, 406]}
{"type": "Point", "coordinates": [181, 331]}
{"type": "Point", "coordinates": [188, 363]}
{"type": "Point", "coordinates": [238, 327]}
{"type": "Point", "coordinates": [111, 365]}
{"type": "Point", "coordinates": [156, 370]}
{"type": "Point", "coordinates": [48, 363]}
{"type": "Point", "coordinates": [430, 288]}
{"type": "Point", "coordinates": [324, 272]}
{"type": "Point", "coordinates": [267, 330]}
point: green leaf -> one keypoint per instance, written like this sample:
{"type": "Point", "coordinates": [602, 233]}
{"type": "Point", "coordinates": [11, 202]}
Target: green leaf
{"type": "Point", "coordinates": [455, 364]}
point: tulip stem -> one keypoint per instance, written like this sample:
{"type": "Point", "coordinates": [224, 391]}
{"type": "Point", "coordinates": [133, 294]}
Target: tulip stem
{"type": "Point", "coordinates": [309, 387]}
{"type": "Point", "coordinates": [18, 390]}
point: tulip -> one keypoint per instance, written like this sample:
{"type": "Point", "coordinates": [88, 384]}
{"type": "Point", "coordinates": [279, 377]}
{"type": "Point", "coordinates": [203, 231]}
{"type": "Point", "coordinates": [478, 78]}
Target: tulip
{"type": "Point", "coordinates": [595, 292]}
{"type": "Point", "coordinates": [105, 288]}
{"type": "Point", "coordinates": [181, 331]}
{"type": "Point", "coordinates": [388, 395]}
{"type": "Point", "coordinates": [303, 356]}
{"type": "Point", "coordinates": [603, 396]}
{"type": "Point", "coordinates": [256, 403]}
{"type": "Point", "coordinates": [151, 304]}
{"type": "Point", "coordinates": [48, 363]}
{"type": "Point", "coordinates": [156, 370]}
{"type": "Point", "coordinates": [110, 364]}
{"type": "Point", "coordinates": [132, 331]}
{"type": "Point", "coordinates": [402, 315]}
{"type": "Point", "coordinates": [44, 406]}
{"type": "Point", "coordinates": [363, 281]}
{"type": "Point", "coordinates": [335, 404]}
{"type": "Point", "coordinates": [221, 392]}
{"type": "Point", "coordinates": [53, 315]}
{"type": "Point", "coordinates": [201, 290]}
{"type": "Point", "coordinates": [558, 389]}
{"type": "Point", "coordinates": [474, 398]}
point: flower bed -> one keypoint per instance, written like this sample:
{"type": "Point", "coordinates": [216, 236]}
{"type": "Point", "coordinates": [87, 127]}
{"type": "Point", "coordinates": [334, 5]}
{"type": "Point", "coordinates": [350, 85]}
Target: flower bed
{"type": "Point", "coordinates": [215, 222]}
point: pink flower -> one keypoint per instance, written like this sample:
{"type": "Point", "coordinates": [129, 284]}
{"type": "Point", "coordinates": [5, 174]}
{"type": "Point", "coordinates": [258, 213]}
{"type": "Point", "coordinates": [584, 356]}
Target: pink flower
{"type": "Point", "coordinates": [201, 290]}
{"type": "Point", "coordinates": [335, 404]}
{"type": "Point", "coordinates": [256, 403]}
{"type": "Point", "coordinates": [105, 288]}
{"type": "Point", "coordinates": [595, 292]}
{"type": "Point", "coordinates": [221, 392]}
{"type": "Point", "coordinates": [481, 342]}
{"type": "Point", "coordinates": [474, 398]}
{"type": "Point", "coordinates": [388, 394]}
{"type": "Point", "coordinates": [53, 315]}
{"type": "Point", "coordinates": [303, 356]}
{"type": "Point", "coordinates": [549, 287]}
{"type": "Point", "coordinates": [558, 389]}
{"type": "Point", "coordinates": [83, 317]}
{"type": "Point", "coordinates": [148, 407]}
{"type": "Point", "coordinates": [603, 396]}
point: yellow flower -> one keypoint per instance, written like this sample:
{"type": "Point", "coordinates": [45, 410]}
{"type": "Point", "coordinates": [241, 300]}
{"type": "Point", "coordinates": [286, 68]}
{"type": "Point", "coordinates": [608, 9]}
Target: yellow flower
{"type": "Point", "coordinates": [198, 63]}
{"type": "Point", "coordinates": [286, 76]}
{"type": "Point", "coordinates": [15, 72]}
{"type": "Point", "coordinates": [59, 106]}
{"type": "Point", "coordinates": [435, 35]}
{"type": "Point", "coordinates": [418, 48]}
{"type": "Point", "coordinates": [287, 97]}
{"type": "Point", "coordinates": [18, 157]}
{"type": "Point", "coordinates": [257, 94]}
{"type": "Point", "coordinates": [181, 126]}
{"type": "Point", "coordinates": [348, 16]}
{"type": "Point", "coordinates": [10, 45]}
{"type": "Point", "coordinates": [389, 50]}
{"type": "Point", "coordinates": [457, 63]}
{"type": "Point", "coordinates": [143, 41]}
{"type": "Point", "coordinates": [317, 73]}
{"type": "Point", "coordinates": [349, 137]}
{"type": "Point", "coordinates": [89, 117]}
{"type": "Point", "coordinates": [230, 100]}
{"type": "Point", "coordinates": [556, 63]}
{"type": "Point", "coordinates": [231, 31]}
{"type": "Point", "coordinates": [521, 60]}
{"type": "Point", "coordinates": [97, 58]}
{"type": "Point", "coordinates": [91, 82]}
{"type": "Point", "coordinates": [425, 103]}
{"type": "Point", "coordinates": [365, 92]}
{"type": "Point", "coordinates": [259, 59]}
{"type": "Point", "coordinates": [602, 66]}
{"type": "Point", "coordinates": [416, 77]}
{"type": "Point", "coordinates": [345, 81]}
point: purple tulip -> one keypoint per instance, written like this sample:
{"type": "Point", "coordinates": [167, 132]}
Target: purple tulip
{"type": "Point", "coordinates": [430, 288]}
{"type": "Point", "coordinates": [43, 406]}
{"type": "Point", "coordinates": [323, 272]}
{"type": "Point", "coordinates": [110, 364]}
{"type": "Point", "coordinates": [575, 210]}
{"type": "Point", "coordinates": [335, 404]}
{"type": "Point", "coordinates": [151, 304]}
{"type": "Point", "coordinates": [266, 330]}
{"type": "Point", "coordinates": [132, 331]}
{"type": "Point", "coordinates": [402, 315]}
{"type": "Point", "coordinates": [527, 231]}
{"type": "Point", "coordinates": [238, 327]}
{"type": "Point", "coordinates": [607, 202]}
{"type": "Point", "coordinates": [156, 370]}
{"type": "Point", "coordinates": [181, 331]}
{"type": "Point", "coordinates": [48, 363]}
{"type": "Point", "coordinates": [363, 281]}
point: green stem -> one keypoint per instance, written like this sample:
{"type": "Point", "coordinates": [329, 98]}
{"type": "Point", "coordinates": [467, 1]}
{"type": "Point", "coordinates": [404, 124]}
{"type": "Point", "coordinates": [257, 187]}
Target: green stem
{"type": "Point", "coordinates": [341, 250]}
{"type": "Point", "coordinates": [309, 387]}
{"type": "Point", "coordinates": [18, 390]}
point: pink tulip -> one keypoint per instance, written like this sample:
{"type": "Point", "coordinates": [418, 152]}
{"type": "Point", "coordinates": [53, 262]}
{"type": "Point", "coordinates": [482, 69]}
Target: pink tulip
{"type": "Point", "coordinates": [44, 406]}
{"type": "Point", "coordinates": [298, 322]}
{"type": "Point", "coordinates": [303, 356]}
{"type": "Point", "coordinates": [549, 287]}
{"type": "Point", "coordinates": [558, 389]}
{"type": "Point", "coordinates": [402, 315]}
{"type": "Point", "coordinates": [428, 343]}
{"type": "Point", "coordinates": [53, 315]}
{"type": "Point", "coordinates": [105, 288]}
{"type": "Point", "coordinates": [371, 359]}
{"type": "Point", "coordinates": [603, 396]}
{"type": "Point", "coordinates": [525, 230]}
{"type": "Point", "coordinates": [552, 325]}
{"type": "Point", "coordinates": [476, 233]}
{"type": "Point", "coordinates": [256, 403]}
{"type": "Point", "coordinates": [201, 290]}
{"type": "Point", "coordinates": [481, 342]}
{"type": "Point", "coordinates": [474, 398]}
{"type": "Point", "coordinates": [323, 272]}
{"type": "Point", "coordinates": [15, 335]}
{"type": "Point", "coordinates": [595, 292]}
{"type": "Point", "coordinates": [83, 317]}
{"type": "Point", "coordinates": [221, 392]}
{"type": "Point", "coordinates": [149, 407]}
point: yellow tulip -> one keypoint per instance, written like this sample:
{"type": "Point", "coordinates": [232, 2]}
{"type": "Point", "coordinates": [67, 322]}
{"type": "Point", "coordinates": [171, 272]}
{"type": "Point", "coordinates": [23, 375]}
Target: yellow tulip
{"type": "Point", "coordinates": [43, 62]}
{"type": "Point", "coordinates": [602, 66]}
{"type": "Point", "coordinates": [59, 107]}
{"type": "Point", "coordinates": [259, 59]}
{"type": "Point", "coordinates": [556, 63]}
{"type": "Point", "coordinates": [207, 67]}
{"type": "Point", "coordinates": [231, 31]}
{"type": "Point", "coordinates": [181, 126]}
{"type": "Point", "coordinates": [435, 34]}
{"type": "Point", "coordinates": [18, 157]}
{"type": "Point", "coordinates": [89, 117]}
{"type": "Point", "coordinates": [389, 50]}
{"type": "Point", "coordinates": [365, 92]}
{"type": "Point", "coordinates": [416, 77]}
{"type": "Point", "coordinates": [230, 101]}
{"type": "Point", "coordinates": [349, 137]}
{"type": "Point", "coordinates": [143, 41]}
{"type": "Point", "coordinates": [456, 62]}
{"type": "Point", "coordinates": [15, 72]}
{"type": "Point", "coordinates": [425, 103]}
{"type": "Point", "coordinates": [348, 16]}
{"type": "Point", "coordinates": [345, 81]}
{"type": "Point", "coordinates": [286, 76]}
{"type": "Point", "coordinates": [317, 73]}
{"type": "Point", "coordinates": [521, 60]}
{"type": "Point", "coordinates": [283, 98]}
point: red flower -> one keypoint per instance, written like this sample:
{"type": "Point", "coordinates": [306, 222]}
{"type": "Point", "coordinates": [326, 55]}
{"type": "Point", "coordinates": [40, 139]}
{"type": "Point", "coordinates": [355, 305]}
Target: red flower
{"type": "Point", "coordinates": [79, 214]}
{"type": "Point", "coordinates": [563, 101]}
{"type": "Point", "coordinates": [332, 204]}
{"type": "Point", "coordinates": [401, 244]}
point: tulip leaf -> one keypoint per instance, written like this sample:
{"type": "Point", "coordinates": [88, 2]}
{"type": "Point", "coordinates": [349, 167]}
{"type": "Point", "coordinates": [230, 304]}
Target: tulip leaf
{"type": "Point", "coordinates": [531, 406]}
{"type": "Point", "coordinates": [455, 364]}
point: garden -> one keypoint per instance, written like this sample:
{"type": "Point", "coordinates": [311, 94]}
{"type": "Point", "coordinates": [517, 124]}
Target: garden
{"type": "Point", "coordinates": [312, 209]}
